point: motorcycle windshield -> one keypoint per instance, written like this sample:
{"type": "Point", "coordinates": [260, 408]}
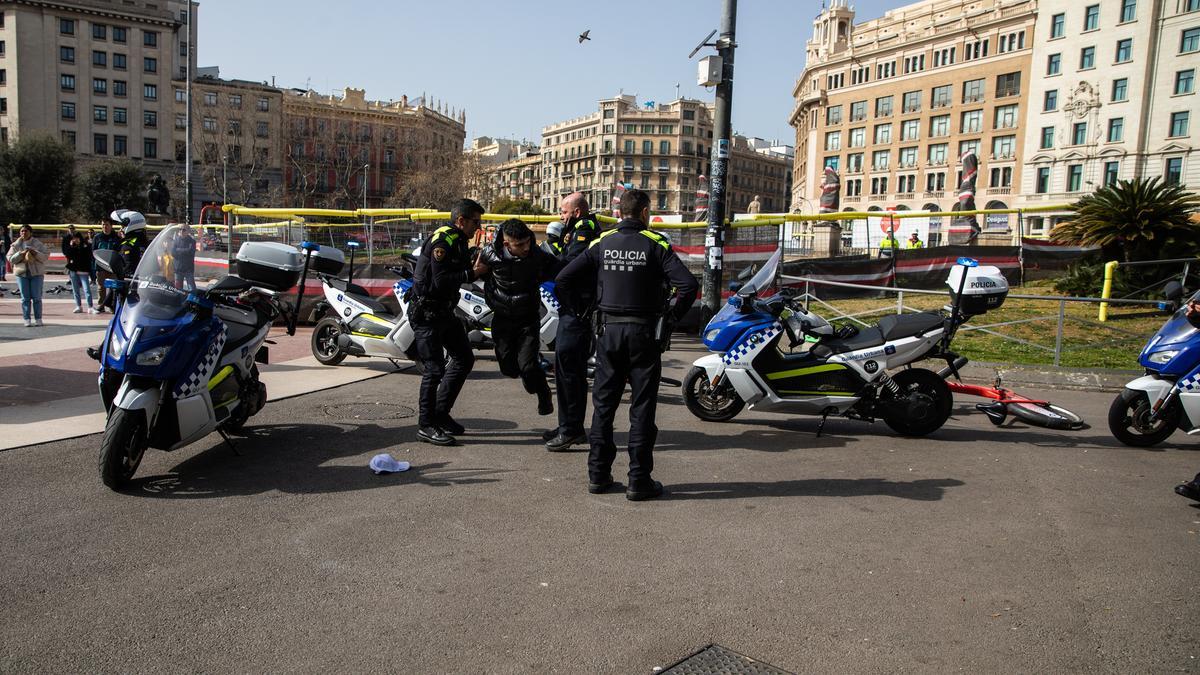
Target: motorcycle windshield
{"type": "Point", "coordinates": [765, 277]}
{"type": "Point", "coordinates": [155, 275]}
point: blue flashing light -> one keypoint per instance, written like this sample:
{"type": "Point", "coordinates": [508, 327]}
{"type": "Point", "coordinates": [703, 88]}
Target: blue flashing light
{"type": "Point", "coordinates": [310, 246]}
{"type": "Point", "coordinates": [968, 262]}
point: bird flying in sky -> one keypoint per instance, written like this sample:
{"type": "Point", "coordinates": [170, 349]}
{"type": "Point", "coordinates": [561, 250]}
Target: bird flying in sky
{"type": "Point", "coordinates": [584, 36]}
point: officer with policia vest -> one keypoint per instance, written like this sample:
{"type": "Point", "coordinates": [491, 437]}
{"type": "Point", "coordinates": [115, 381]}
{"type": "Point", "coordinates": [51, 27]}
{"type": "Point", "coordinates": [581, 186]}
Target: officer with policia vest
{"type": "Point", "coordinates": [443, 266]}
{"type": "Point", "coordinates": [573, 343]}
{"type": "Point", "coordinates": [623, 267]}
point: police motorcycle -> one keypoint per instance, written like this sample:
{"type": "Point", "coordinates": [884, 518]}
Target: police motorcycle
{"type": "Point", "coordinates": [177, 365]}
{"type": "Point", "coordinates": [771, 354]}
{"type": "Point", "coordinates": [1150, 408]}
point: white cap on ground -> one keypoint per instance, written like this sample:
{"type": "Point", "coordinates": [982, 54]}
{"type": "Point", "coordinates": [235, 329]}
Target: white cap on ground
{"type": "Point", "coordinates": [385, 463]}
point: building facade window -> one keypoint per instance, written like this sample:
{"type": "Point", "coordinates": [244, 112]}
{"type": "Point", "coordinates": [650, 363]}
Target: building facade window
{"type": "Point", "coordinates": [149, 65]}
{"type": "Point", "coordinates": [883, 106]}
{"type": "Point", "coordinates": [1173, 171]}
{"type": "Point", "coordinates": [1087, 58]}
{"type": "Point", "coordinates": [940, 96]}
{"type": "Point", "coordinates": [66, 54]}
{"type": "Point", "coordinates": [66, 26]}
{"type": "Point", "coordinates": [1124, 50]}
{"type": "Point", "coordinates": [1074, 178]}
{"type": "Point", "coordinates": [1120, 90]}
{"type": "Point", "coordinates": [883, 134]}
{"type": "Point", "coordinates": [1185, 81]}
{"type": "Point", "coordinates": [120, 88]}
{"type": "Point", "coordinates": [939, 126]}
{"type": "Point", "coordinates": [1128, 10]}
{"type": "Point", "coordinates": [1004, 147]}
{"type": "Point", "coordinates": [973, 91]}
{"type": "Point", "coordinates": [1179, 124]}
{"type": "Point", "coordinates": [150, 148]}
{"type": "Point", "coordinates": [121, 116]}
{"type": "Point", "coordinates": [908, 157]}
{"type": "Point", "coordinates": [972, 122]}
{"type": "Point", "coordinates": [968, 146]}
{"type": "Point", "coordinates": [150, 92]}
{"type": "Point", "coordinates": [937, 154]}
{"type": "Point", "coordinates": [66, 82]}
{"type": "Point", "coordinates": [1189, 41]}
{"type": "Point", "coordinates": [100, 59]}
{"type": "Point", "coordinates": [149, 38]}
{"type": "Point", "coordinates": [1116, 130]}
{"type": "Point", "coordinates": [833, 140]}
{"type": "Point", "coordinates": [1047, 138]}
{"type": "Point", "coordinates": [100, 114]}
{"type": "Point", "coordinates": [1005, 117]}
{"type": "Point", "coordinates": [910, 130]}
{"type": "Point", "coordinates": [833, 115]}
{"type": "Point", "coordinates": [99, 31]}
{"type": "Point", "coordinates": [100, 144]}
{"type": "Point", "coordinates": [1054, 64]}
{"type": "Point", "coordinates": [120, 61]}
{"type": "Point", "coordinates": [1001, 177]}
{"type": "Point", "coordinates": [67, 110]}
{"type": "Point", "coordinates": [1079, 133]}
{"type": "Point", "coordinates": [1058, 24]}
{"type": "Point", "coordinates": [880, 160]}
{"type": "Point", "coordinates": [911, 102]}
{"type": "Point", "coordinates": [1042, 184]}
{"type": "Point", "coordinates": [858, 111]}
{"type": "Point", "coordinates": [120, 34]}
{"type": "Point", "coordinates": [1050, 100]}
{"type": "Point", "coordinates": [858, 137]}
{"type": "Point", "coordinates": [1112, 172]}
{"type": "Point", "coordinates": [149, 119]}
{"type": "Point", "coordinates": [120, 146]}
{"type": "Point", "coordinates": [99, 86]}
{"type": "Point", "coordinates": [1091, 18]}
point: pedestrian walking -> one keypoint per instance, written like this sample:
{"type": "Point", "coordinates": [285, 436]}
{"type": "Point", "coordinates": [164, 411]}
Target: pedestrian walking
{"type": "Point", "coordinates": [79, 268]}
{"type": "Point", "coordinates": [5, 244]}
{"type": "Point", "coordinates": [631, 270]}
{"type": "Point", "coordinates": [183, 250]}
{"type": "Point", "coordinates": [513, 292]}
{"type": "Point", "coordinates": [28, 257]}
{"type": "Point", "coordinates": [574, 341]}
{"type": "Point", "coordinates": [105, 240]}
{"type": "Point", "coordinates": [442, 267]}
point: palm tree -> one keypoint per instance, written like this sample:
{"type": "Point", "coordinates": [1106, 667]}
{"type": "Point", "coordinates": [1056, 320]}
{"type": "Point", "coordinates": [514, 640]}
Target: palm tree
{"type": "Point", "coordinates": [1141, 219]}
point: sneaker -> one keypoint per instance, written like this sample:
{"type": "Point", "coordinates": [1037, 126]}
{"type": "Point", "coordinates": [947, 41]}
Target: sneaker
{"type": "Point", "coordinates": [39, 322]}
{"type": "Point", "coordinates": [643, 492]}
{"type": "Point", "coordinates": [28, 323]}
{"type": "Point", "coordinates": [563, 442]}
{"type": "Point", "coordinates": [545, 403]}
{"type": "Point", "coordinates": [435, 436]}
{"type": "Point", "coordinates": [77, 310]}
{"type": "Point", "coordinates": [451, 427]}
{"type": "Point", "coordinates": [91, 310]}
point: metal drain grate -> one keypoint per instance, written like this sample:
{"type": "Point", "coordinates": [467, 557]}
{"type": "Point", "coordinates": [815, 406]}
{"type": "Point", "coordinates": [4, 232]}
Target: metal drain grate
{"type": "Point", "coordinates": [369, 411]}
{"type": "Point", "coordinates": [717, 660]}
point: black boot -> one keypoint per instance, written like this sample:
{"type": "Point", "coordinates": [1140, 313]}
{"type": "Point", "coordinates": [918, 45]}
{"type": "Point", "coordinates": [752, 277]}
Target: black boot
{"type": "Point", "coordinates": [545, 402]}
{"type": "Point", "coordinates": [435, 436]}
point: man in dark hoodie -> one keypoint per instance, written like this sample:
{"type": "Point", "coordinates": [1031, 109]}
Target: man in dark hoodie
{"type": "Point", "coordinates": [513, 291]}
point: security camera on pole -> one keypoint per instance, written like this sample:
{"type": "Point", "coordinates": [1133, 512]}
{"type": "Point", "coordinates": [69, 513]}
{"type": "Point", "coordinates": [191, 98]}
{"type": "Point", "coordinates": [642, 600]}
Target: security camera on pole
{"type": "Point", "coordinates": [718, 70]}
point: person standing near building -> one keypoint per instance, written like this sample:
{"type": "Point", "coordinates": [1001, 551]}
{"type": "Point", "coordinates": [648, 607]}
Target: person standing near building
{"type": "Point", "coordinates": [573, 343]}
{"type": "Point", "coordinates": [105, 240]}
{"type": "Point", "coordinates": [889, 245]}
{"type": "Point", "coordinates": [28, 257]}
{"type": "Point", "coordinates": [443, 266]}
{"type": "Point", "coordinates": [5, 243]}
{"type": "Point", "coordinates": [79, 271]}
{"type": "Point", "coordinates": [914, 241]}
{"type": "Point", "coordinates": [623, 267]}
{"type": "Point", "coordinates": [513, 292]}
{"type": "Point", "coordinates": [183, 250]}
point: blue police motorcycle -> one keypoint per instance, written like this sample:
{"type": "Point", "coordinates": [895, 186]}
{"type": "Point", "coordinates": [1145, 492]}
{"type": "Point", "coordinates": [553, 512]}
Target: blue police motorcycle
{"type": "Point", "coordinates": [1150, 408]}
{"type": "Point", "coordinates": [177, 365]}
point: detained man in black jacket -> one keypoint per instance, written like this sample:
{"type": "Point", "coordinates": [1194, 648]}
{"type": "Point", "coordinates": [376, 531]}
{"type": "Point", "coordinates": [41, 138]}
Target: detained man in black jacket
{"type": "Point", "coordinates": [513, 291]}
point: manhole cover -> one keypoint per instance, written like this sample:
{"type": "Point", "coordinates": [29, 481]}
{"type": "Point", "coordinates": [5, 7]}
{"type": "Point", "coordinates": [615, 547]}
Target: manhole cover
{"type": "Point", "coordinates": [369, 411]}
{"type": "Point", "coordinates": [717, 660]}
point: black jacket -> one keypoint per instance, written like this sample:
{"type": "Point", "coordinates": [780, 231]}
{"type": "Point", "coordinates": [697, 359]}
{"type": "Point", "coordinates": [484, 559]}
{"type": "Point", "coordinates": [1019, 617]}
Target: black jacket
{"type": "Point", "coordinates": [443, 267]}
{"type": "Point", "coordinates": [79, 258]}
{"type": "Point", "coordinates": [514, 286]}
{"type": "Point", "coordinates": [184, 251]}
{"type": "Point", "coordinates": [132, 247]}
{"type": "Point", "coordinates": [631, 269]}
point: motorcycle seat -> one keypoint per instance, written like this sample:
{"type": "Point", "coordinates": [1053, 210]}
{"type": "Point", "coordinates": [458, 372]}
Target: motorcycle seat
{"type": "Point", "coordinates": [896, 326]}
{"type": "Point", "coordinates": [360, 295]}
{"type": "Point", "coordinates": [866, 338]}
{"type": "Point", "coordinates": [230, 284]}
{"type": "Point", "coordinates": [351, 288]}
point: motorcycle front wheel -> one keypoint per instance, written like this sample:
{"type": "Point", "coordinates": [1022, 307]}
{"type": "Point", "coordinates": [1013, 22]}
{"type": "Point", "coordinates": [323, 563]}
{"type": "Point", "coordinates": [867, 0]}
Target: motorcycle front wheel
{"type": "Point", "coordinates": [1128, 420]}
{"type": "Point", "coordinates": [719, 404]}
{"type": "Point", "coordinates": [324, 342]}
{"type": "Point", "coordinates": [122, 448]}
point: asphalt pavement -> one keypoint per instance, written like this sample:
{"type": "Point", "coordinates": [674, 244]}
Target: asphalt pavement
{"type": "Point", "coordinates": [980, 549]}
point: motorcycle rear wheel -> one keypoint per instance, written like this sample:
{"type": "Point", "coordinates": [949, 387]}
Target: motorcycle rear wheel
{"type": "Point", "coordinates": [703, 402]}
{"type": "Point", "coordinates": [1127, 420]}
{"type": "Point", "coordinates": [324, 342]}
{"type": "Point", "coordinates": [122, 447]}
{"type": "Point", "coordinates": [928, 403]}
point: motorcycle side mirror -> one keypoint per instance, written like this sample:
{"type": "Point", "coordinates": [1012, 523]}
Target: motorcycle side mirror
{"type": "Point", "coordinates": [110, 261]}
{"type": "Point", "coordinates": [735, 286]}
{"type": "Point", "coordinates": [747, 272]}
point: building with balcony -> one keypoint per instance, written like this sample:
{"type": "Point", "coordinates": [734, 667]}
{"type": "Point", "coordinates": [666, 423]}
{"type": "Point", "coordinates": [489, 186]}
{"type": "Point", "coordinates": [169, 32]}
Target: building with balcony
{"type": "Point", "coordinates": [1113, 97]}
{"type": "Point", "coordinates": [517, 178]}
{"type": "Point", "coordinates": [96, 74]}
{"type": "Point", "coordinates": [662, 148]}
{"type": "Point", "coordinates": [893, 103]}
{"type": "Point", "coordinates": [335, 144]}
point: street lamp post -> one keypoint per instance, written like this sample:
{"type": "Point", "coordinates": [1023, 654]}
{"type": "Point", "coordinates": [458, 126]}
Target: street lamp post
{"type": "Point", "coordinates": [714, 240]}
{"type": "Point", "coordinates": [368, 228]}
{"type": "Point", "coordinates": [224, 201]}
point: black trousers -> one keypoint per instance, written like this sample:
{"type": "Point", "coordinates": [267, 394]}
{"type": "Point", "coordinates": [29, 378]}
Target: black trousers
{"type": "Point", "coordinates": [625, 353]}
{"type": "Point", "coordinates": [443, 379]}
{"type": "Point", "coordinates": [572, 349]}
{"type": "Point", "coordinates": [518, 350]}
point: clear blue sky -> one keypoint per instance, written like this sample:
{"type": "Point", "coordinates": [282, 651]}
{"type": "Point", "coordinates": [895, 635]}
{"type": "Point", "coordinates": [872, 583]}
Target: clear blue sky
{"type": "Point", "coordinates": [515, 65]}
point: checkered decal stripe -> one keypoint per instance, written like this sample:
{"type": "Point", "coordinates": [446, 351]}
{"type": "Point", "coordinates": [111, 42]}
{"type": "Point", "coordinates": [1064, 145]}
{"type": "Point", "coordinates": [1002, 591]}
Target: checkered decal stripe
{"type": "Point", "coordinates": [549, 298]}
{"type": "Point", "coordinates": [197, 380]}
{"type": "Point", "coordinates": [750, 343]}
{"type": "Point", "coordinates": [1189, 383]}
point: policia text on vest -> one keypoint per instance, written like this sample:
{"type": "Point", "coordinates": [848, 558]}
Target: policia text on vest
{"type": "Point", "coordinates": [631, 270]}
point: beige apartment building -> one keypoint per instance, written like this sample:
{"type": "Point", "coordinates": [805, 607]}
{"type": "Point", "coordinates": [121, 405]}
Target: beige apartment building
{"type": "Point", "coordinates": [237, 140]}
{"type": "Point", "coordinates": [333, 144]}
{"type": "Point", "coordinates": [97, 74]}
{"type": "Point", "coordinates": [893, 103]}
{"type": "Point", "coordinates": [517, 178]}
{"type": "Point", "coordinates": [662, 148]}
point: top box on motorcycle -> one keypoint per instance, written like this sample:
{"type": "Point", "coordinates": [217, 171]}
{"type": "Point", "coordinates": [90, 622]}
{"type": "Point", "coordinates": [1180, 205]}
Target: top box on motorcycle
{"type": "Point", "coordinates": [327, 260]}
{"type": "Point", "coordinates": [270, 265]}
{"type": "Point", "coordinates": [985, 288]}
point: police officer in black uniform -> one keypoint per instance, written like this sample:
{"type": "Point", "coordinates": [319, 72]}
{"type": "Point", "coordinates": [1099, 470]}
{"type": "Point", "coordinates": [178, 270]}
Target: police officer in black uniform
{"type": "Point", "coordinates": [622, 265]}
{"type": "Point", "coordinates": [573, 343]}
{"type": "Point", "coordinates": [443, 266]}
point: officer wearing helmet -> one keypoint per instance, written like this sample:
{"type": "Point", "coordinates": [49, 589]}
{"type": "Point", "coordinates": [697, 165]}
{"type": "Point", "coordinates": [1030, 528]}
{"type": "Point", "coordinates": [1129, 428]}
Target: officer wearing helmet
{"type": "Point", "coordinates": [133, 238]}
{"type": "Point", "coordinates": [553, 243]}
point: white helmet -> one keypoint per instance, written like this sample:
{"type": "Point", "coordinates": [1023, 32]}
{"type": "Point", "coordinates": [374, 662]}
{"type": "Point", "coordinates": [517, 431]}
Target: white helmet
{"type": "Point", "coordinates": [131, 221]}
{"type": "Point", "coordinates": [554, 228]}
